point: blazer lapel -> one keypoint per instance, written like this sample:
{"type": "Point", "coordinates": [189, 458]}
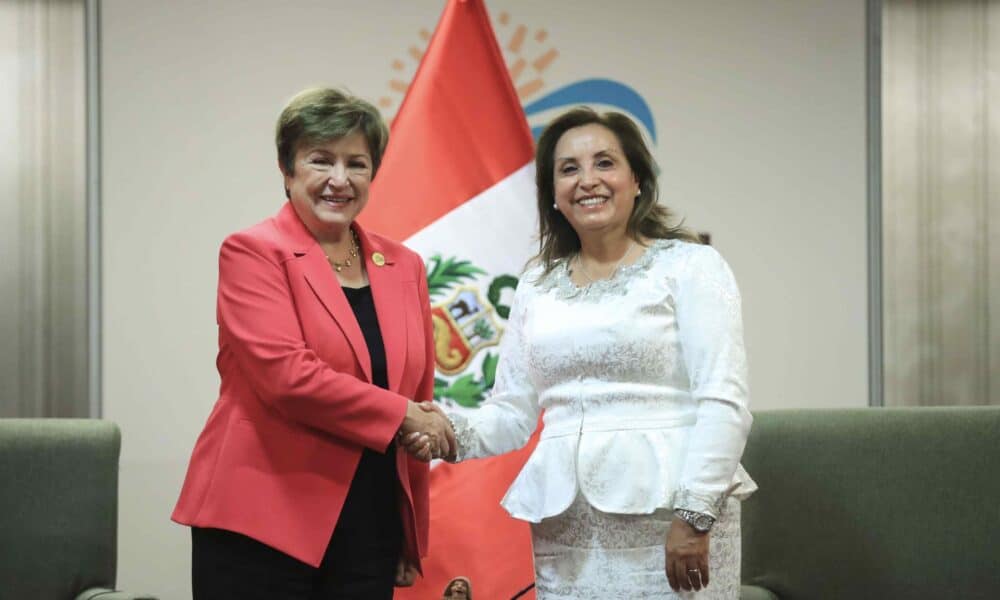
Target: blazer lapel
{"type": "Point", "coordinates": [388, 292]}
{"type": "Point", "coordinates": [310, 263]}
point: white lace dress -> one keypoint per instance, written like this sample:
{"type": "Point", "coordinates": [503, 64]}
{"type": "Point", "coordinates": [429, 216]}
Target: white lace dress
{"type": "Point", "coordinates": [642, 380]}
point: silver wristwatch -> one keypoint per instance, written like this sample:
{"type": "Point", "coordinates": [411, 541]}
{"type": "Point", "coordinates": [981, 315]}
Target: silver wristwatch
{"type": "Point", "coordinates": [701, 522]}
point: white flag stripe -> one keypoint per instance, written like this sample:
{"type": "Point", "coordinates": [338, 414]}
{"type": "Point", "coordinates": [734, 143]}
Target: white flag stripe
{"type": "Point", "coordinates": [494, 230]}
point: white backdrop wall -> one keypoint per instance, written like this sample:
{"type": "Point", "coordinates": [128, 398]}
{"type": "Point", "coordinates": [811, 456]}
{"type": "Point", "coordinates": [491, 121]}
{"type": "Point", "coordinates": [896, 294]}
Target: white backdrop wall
{"type": "Point", "coordinates": [759, 110]}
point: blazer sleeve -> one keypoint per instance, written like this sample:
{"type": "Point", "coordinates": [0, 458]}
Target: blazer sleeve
{"type": "Point", "coordinates": [425, 393]}
{"type": "Point", "coordinates": [506, 420]}
{"type": "Point", "coordinates": [711, 334]}
{"type": "Point", "coordinates": [258, 321]}
{"type": "Point", "coordinates": [419, 472]}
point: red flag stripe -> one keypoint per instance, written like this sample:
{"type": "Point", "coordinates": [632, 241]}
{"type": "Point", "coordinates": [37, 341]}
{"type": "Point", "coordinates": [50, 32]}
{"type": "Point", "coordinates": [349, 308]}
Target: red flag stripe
{"type": "Point", "coordinates": [459, 131]}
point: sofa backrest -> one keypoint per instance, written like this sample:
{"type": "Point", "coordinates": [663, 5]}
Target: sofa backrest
{"type": "Point", "coordinates": [58, 506]}
{"type": "Point", "coordinates": [874, 503]}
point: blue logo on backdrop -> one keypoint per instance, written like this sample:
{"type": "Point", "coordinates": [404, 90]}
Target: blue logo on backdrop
{"type": "Point", "coordinates": [593, 91]}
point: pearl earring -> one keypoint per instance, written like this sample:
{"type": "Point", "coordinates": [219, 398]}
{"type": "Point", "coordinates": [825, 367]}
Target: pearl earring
{"type": "Point", "coordinates": [555, 206]}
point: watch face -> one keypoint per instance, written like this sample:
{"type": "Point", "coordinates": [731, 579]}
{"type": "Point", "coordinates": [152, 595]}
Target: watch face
{"type": "Point", "coordinates": [703, 523]}
{"type": "Point", "coordinates": [700, 522]}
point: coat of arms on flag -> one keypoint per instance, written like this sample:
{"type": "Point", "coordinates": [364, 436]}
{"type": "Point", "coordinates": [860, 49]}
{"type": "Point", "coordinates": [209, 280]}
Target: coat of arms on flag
{"type": "Point", "coordinates": [463, 325]}
{"type": "Point", "coordinates": [465, 322]}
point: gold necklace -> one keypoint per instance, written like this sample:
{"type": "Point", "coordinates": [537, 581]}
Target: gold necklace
{"type": "Point", "coordinates": [352, 254]}
{"type": "Point", "coordinates": [583, 268]}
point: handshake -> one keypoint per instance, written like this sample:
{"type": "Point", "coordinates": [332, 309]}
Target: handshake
{"type": "Point", "coordinates": [426, 432]}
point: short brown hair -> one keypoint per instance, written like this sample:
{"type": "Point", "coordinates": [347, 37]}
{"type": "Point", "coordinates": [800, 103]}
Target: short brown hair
{"type": "Point", "coordinates": [649, 218]}
{"type": "Point", "coordinates": [317, 115]}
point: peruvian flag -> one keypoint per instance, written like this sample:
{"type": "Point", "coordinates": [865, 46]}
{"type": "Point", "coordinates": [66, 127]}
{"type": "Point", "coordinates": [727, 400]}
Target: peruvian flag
{"type": "Point", "coordinates": [457, 185]}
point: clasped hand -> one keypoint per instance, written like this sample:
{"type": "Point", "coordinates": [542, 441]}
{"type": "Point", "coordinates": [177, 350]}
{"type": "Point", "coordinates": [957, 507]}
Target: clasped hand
{"type": "Point", "coordinates": [426, 432]}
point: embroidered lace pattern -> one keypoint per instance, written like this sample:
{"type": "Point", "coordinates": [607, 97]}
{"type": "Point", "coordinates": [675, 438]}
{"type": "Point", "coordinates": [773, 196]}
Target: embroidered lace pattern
{"type": "Point", "coordinates": [713, 505]}
{"type": "Point", "coordinates": [559, 277]}
{"type": "Point", "coordinates": [463, 435]}
{"type": "Point", "coordinates": [585, 553]}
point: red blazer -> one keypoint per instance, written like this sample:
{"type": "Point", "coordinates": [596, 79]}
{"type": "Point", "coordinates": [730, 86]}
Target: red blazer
{"type": "Point", "coordinates": [296, 404]}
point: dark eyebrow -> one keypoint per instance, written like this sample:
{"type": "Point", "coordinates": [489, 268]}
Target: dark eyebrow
{"type": "Point", "coordinates": [325, 152]}
{"type": "Point", "coordinates": [603, 152]}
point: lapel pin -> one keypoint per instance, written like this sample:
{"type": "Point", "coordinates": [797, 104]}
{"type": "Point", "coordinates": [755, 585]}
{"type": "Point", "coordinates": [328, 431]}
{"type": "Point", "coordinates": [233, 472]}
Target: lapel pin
{"type": "Point", "coordinates": [378, 258]}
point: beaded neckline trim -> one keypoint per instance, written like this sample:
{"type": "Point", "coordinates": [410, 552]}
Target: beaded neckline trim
{"type": "Point", "coordinates": [559, 278]}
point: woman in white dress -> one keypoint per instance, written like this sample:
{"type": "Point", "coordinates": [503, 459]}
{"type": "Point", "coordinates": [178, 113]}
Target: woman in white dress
{"type": "Point", "coordinates": [627, 333]}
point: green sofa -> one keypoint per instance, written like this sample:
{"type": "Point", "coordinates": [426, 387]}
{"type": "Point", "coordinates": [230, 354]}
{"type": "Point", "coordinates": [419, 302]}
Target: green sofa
{"type": "Point", "coordinates": [59, 510]}
{"type": "Point", "coordinates": [873, 503]}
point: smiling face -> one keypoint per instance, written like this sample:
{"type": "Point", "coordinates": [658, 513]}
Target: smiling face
{"type": "Point", "coordinates": [329, 185]}
{"type": "Point", "coordinates": [594, 187]}
{"type": "Point", "coordinates": [458, 589]}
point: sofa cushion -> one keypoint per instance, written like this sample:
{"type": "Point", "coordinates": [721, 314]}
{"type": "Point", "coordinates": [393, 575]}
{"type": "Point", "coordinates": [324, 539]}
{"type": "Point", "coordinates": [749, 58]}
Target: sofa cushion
{"type": "Point", "coordinates": [874, 503]}
{"type": "Point", "coordinates": [752, 592]}
{"type": "Point", "coordinates": [58, 506]}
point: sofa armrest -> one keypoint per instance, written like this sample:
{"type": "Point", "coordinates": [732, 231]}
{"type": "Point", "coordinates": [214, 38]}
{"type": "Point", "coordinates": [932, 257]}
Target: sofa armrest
{"type": "Point", "coordinates": [106, 594]}
{"type": "Point", "coordinates": [753, 592]}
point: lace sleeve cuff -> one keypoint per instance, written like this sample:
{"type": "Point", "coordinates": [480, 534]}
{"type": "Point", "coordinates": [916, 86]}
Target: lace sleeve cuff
{"type": "Point", "coordinates": [686, 499]}
{"type": "Point", "coordinates": [463, 436]}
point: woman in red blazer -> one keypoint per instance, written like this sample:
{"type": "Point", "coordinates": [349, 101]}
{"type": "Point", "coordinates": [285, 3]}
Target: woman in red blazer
{"type": "Point", "coordinates": [296, 487]}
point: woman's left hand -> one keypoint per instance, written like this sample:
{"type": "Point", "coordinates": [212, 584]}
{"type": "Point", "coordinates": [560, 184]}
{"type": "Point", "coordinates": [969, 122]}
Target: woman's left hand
{"type": "Point", "coordinates": [686, 557]}
{"type": "Point", "coordinates": [406, 573]}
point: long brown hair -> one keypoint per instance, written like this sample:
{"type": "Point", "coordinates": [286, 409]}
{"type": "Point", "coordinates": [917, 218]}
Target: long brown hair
{"type": "Point", "coordinates": [649, 219]}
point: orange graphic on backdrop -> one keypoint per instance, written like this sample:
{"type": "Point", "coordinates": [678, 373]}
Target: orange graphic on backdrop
{"type": "Point", "coordinates": [526, 55]}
